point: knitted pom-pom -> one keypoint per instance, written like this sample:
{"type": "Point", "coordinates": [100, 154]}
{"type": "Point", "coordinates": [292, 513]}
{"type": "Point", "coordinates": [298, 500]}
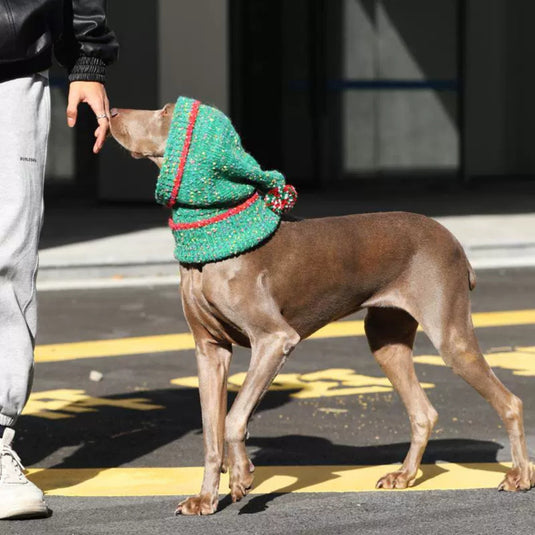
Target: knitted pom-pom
{"type": "Point", "coordinates": [281, 200]}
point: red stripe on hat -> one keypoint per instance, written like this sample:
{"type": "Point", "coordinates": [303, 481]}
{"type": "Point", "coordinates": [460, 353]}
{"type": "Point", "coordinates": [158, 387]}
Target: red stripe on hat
{"type": "Point", "coordinates": [185, 149]}
{"type": "Point", "coordinates": [215, 219]}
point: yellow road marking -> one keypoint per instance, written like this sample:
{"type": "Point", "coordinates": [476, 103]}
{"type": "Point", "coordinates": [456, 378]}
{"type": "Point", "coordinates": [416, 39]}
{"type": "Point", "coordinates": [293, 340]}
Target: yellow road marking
{"type": "Point", "coordinates": [268, 479]}
{"type": "Point", "coordinates": [521, 361]}
{"type": "Point", "coordinates": [347, 382]}
{"type": "Point", "coordinates": [319, 384]}
{"type": "Point", "coordinates": [66, 403]}
{"type": "Point", "coordinates": [178, 342]}
{"type": "Point", "coordinates": [113, 348]}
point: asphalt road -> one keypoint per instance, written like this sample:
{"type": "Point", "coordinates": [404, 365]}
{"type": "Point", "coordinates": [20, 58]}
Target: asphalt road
{"type": "Point", "coordinates": [331, 406]}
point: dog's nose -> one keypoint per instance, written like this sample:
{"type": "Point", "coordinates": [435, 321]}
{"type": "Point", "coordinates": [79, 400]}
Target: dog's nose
{"type": "Point", "coordinates": [114, 112]}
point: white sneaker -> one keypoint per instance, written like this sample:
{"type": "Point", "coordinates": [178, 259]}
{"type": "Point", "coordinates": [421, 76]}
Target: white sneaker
{"type": "Point", "coordinates": [19, 498]}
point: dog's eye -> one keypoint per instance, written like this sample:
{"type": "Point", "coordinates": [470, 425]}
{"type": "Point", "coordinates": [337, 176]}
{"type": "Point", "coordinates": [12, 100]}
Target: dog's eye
{"type": "Point", "coordinates": [166, 110]}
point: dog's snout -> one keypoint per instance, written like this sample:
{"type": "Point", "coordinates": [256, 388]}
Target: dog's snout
{"type": "Point", "coordinates": [114, 112]}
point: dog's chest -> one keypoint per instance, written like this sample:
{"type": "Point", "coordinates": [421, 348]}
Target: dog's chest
{"type": "Point", "coordinates": [203, 311]}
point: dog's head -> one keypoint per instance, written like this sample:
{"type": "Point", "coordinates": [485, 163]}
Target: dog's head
{"type": "Point", "coordinates": [142, 132]}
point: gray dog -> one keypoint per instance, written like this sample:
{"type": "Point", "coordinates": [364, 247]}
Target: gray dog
{"type": "Point", "coordinates": [405, 269]}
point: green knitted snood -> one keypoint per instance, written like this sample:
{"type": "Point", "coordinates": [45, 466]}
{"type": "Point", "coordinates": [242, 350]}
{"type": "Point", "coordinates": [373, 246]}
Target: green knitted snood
{"type": "Point", "coordinates": [223, 203]}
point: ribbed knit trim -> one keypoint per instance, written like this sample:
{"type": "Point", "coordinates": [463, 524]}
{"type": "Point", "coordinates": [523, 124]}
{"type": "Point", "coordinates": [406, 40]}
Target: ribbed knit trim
{"type": "Point", "coordinates": [184, 154]}
{"type": "Point", "coordinates": [231, 235]}
{"type": "Point", "coordinates": [88, 69]}
{"type": "Point", "coordinates": [215, 219]}
{"type": "Point", "coordinates": [7, 421]}
{"type": "Point", "coordinates": [170, 173]}
{"type": "Point", "coordinates": [223, 203]}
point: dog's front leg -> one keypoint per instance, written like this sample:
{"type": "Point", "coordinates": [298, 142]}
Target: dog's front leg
{"type": "Point", "coordinates": [213, 361]}
{"type": "Point", "coordinates": [269, 351]}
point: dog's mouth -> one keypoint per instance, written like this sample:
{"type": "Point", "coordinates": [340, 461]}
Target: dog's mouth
{"type": "Point", "coordinates": [120, 133]}
{"type": "Point", "coordinates": [139, 155]}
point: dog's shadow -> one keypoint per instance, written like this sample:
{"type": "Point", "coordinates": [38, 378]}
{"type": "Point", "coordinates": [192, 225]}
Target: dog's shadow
{"type": "Point", "coordinates": [292, 450]}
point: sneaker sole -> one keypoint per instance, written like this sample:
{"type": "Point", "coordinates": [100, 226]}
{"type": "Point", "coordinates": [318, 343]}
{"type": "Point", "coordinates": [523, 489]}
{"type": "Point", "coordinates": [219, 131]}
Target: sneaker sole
{"type": "Point", "coordinates": [19, 512]}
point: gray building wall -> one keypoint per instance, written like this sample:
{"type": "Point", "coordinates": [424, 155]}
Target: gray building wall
{"type": "Point", "coordinates": [131, 83]}
{"type": "Point", "coordinates": [486, 87]}
{"type": "Point", "coordinates": [500, 88]}
{"type": "Point", "coordinates": [409, 130]}
{"type": "Point", "coordinates": [170, 48]}
{"type": "Point", "coordinates": [194, 52]}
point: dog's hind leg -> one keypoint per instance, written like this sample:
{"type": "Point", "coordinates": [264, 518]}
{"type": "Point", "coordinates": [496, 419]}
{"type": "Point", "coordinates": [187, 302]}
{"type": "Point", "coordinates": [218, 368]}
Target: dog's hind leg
{"type": "Point", "coordinates": [270, 347]}
{"type": "Point", "coordinates": [391, 335]}
{"type": "Point", "coordinates": [450, 328]}
{"type": "Point", "coordinates": [213, 361]}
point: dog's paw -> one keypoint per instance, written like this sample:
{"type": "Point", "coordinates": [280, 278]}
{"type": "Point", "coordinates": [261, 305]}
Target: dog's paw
{"type": "Point", "coordinates": [241, 481]}
{"type": "Point", "coordinates": [204, 504]}
{"type": "Point", "coordinates": [516, 480]}
{"type": "Point", "coordinates": [239, 490]}
{"type": "Point", "coordinates": [395, 480]}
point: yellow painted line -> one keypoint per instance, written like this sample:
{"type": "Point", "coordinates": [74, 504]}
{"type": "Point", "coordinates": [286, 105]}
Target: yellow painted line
{"type": "Point", "coordinates": [319, 384]}
{"type": "Point", "coordinates": [504, 318]}
{"type": "Point", "coordinates": [177, 342]}
{"type": "Point", "coordinates": [268, 479]}
{"type": "Point", "coordinates": [114, 348]}
{"type": "Point", "coordinates": [521, 361]}
{"type": "Point", "coordinates": [340, 329]}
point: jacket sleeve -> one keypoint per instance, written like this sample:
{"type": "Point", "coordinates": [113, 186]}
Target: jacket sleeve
{"type": "Point", "coordinates": [87, 45]}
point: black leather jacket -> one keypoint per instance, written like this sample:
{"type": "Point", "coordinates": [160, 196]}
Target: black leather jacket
{"type": "Point", "coordinates": [75, 29]}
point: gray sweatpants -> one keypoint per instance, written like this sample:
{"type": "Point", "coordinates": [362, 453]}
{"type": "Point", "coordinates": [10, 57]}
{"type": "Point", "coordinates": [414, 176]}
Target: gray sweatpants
{"type": "Point", "coordinates": [24, 126]}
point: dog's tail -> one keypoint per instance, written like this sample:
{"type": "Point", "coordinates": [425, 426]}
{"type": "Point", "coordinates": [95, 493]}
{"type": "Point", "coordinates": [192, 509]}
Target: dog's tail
{"type": "Point", "coordinates": [471, 276]}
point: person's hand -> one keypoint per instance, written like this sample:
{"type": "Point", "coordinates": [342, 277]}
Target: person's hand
{"type": "Point", "coordinates": [94, 94]}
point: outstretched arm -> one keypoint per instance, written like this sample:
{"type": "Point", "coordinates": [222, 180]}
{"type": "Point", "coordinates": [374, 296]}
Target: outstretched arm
{"type": "Point", "coordinates": [86, 48]}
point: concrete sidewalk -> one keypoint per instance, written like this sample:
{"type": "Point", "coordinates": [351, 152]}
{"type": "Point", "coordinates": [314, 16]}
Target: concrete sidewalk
{"type": "Point", "coordinates": [114, 245]}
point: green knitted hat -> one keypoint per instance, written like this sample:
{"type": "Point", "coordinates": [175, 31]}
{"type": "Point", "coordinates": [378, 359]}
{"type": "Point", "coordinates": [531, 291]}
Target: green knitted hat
{"type": "Point", "coordinates": [222, 202]}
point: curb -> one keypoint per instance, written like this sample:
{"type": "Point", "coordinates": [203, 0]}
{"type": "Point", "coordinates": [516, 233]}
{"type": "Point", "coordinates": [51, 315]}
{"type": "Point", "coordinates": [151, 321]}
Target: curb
{"type": "Point", "coordinates": [80, 277]}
